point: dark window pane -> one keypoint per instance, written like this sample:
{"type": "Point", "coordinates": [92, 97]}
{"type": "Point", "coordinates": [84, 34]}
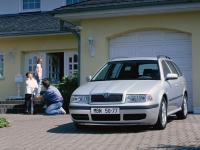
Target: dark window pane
{"type": "Point", "coordinates": [30, 61]}
{"type": "Point", "coordinates": [75, 66]}
{"type": "Point", "coordinates": [34, 60]}
{"type": "Point", "coordinates": [70, 59]}
{"type": "Point", "coordinates": [75, 58]}
{"type": "Point", "coordinates": [30, 68]}
{"type": "Point", "coordinates": [70, 67]}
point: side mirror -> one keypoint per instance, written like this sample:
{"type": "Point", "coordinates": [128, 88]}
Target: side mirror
{"type": "Point", "coordinates": [171, 76]}
{"type": "Point", "coordinates": [88, 78]}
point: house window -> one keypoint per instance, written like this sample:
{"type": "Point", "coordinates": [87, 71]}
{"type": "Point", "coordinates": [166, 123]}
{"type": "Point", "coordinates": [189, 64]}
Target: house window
{"type": "Point", "coordinates": [73, 1]}
{"type": "Point", "coordinates": [73, 64]}
{"type": "Point", "coordinates": [1, 65]}
{"type": "Point", "coordinates": [31, 4]}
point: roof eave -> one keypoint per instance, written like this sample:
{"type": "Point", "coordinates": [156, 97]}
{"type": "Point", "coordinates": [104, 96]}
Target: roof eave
{"type": "Point", "coordinates": [76, 16]}
{"type": "Point", "coordinates": [155, 3]}
{"type": "Point", "coordinates": [21, 34]}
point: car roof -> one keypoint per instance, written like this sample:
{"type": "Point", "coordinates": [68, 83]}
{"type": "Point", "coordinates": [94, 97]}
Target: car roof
{"type": "Point", "coordinates": [138, 58]}
{"type": "Point", "coordinates": [134, 58]}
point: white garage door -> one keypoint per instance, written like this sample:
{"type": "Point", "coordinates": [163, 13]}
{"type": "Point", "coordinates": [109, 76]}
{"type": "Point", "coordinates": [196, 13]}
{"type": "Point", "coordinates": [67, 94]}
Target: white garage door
{"type": "Point", "coordinates": [176, 45]}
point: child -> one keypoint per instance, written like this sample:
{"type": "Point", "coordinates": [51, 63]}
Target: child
{"type": "Point", "coordinates": [31, 89]}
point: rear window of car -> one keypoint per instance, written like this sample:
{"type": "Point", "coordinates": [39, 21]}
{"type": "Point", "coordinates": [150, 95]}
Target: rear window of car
{"type": "Point", "coordinates": [129, 70]}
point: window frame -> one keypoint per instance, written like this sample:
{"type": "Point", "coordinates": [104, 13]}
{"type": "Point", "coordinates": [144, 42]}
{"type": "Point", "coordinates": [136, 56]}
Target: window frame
{"type": "Point", "coordinates": [21, 9]}
{"type": "Point", "coordinates": [3, 77]}
{"type": "Point", "coordinates": [74, 2]}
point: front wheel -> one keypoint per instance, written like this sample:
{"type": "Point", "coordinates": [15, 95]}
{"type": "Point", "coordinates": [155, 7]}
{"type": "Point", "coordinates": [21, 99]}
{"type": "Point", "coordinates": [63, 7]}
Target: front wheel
{"type": "Point", "coordinates": [184, 111]}
{"type": "Point", "coordinates": [162, 116]}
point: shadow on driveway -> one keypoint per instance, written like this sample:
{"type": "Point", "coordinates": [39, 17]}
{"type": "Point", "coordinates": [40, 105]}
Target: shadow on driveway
{"type": "Point", "coordinates": [174, 147]}
{"type": "Point", "coordinates": [69, 128]}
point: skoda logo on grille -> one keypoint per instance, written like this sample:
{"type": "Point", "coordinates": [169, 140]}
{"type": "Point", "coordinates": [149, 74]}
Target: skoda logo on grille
{"type": "Point", "coordinates": [105, 95]}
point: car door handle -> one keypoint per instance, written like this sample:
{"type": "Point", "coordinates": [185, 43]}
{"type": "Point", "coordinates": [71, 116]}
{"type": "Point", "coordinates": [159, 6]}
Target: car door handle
{"type": "Point", "coordinates": [176, 85]}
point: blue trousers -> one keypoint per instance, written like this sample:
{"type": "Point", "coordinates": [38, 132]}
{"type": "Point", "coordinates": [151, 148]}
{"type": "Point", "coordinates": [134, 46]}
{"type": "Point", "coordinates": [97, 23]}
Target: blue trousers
{"type": "Point", "coordinates": [39, 82]}
{"type": "Point", "coordinates": [53, 109]}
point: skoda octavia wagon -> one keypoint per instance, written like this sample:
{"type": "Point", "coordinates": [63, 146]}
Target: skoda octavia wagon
{"type": "Point", "coordinates": [131, 91]}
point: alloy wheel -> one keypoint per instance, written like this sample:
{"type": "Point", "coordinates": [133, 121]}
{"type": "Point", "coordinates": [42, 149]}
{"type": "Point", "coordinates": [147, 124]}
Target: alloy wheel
{"type": "Point", "coordinates": [185, 106]}
{"type": "Point", "coordinates": [164, 116]}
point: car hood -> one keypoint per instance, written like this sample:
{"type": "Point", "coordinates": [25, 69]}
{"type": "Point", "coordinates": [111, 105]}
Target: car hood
{"type": "Point", "coordinates": [123, 86]}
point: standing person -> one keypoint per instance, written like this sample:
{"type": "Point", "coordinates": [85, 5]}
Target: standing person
{"type": "Point", "coordinates": [52, 98]}
{"type": "Point", "coordinates": [31, 88]}
{"type": "Point", "coordinates": [38, 76]}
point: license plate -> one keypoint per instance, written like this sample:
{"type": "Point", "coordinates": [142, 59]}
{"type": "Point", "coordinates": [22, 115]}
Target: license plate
{"type": "Point", "coordinates": [104, 110]}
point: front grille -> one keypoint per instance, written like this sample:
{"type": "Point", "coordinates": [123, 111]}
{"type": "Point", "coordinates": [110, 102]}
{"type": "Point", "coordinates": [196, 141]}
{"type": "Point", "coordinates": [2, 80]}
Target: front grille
{"type": "Point", "coordinates": [110, 98]}
{"type": "Point", "coordinates": [115, 117]}
{"type": "Point", "coordinates": [134, 116]}
{"type": "Point", "coordinates": [80, 116]}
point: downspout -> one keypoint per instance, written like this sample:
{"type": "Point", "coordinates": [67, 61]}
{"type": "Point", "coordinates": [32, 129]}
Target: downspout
{"type": "Point", "coordinates": [62, 28]}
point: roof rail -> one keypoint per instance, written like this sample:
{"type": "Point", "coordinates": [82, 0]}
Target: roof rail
{"type": "Point", "coordinates": [118, 57]}
{"type": "Point", "coordinates": [162, 56]}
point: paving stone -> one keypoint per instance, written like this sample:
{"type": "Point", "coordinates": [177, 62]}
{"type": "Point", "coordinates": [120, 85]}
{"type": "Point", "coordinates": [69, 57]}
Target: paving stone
{"type": "Point", "coordinates": [40, 132]}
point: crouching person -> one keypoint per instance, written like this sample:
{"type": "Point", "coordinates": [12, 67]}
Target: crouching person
{"type": "Point", "coordinates": [52, 98]}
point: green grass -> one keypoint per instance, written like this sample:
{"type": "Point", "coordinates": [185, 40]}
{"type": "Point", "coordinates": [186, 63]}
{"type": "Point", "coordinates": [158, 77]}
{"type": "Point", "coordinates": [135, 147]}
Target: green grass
{"type": "Point", "coordinates": [3, 122]}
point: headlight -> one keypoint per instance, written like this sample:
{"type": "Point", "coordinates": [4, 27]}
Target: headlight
{"type": "Point", "coordinates": [79, 99]}
{"type": "Point", "coordinates": [139, 98]}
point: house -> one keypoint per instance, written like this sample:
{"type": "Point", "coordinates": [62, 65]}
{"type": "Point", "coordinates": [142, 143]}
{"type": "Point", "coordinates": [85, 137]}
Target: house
{"type": "Point", "coordinates": [129, 28]}
{"type": "Point", "coordinates": [27, 33]}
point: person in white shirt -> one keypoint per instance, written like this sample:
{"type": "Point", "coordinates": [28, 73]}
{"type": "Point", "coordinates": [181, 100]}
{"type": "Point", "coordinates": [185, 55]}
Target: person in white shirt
{"type": "Point", "coordinates": [31, 90]}
{"type": "Point", "coordinates": [38, 76]}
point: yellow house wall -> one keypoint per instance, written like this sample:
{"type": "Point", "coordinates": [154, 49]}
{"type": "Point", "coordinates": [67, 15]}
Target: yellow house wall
{"type": "Point", "coordinates": [106, 28]}
{"type": "Point", "coordinates": [21, 45]}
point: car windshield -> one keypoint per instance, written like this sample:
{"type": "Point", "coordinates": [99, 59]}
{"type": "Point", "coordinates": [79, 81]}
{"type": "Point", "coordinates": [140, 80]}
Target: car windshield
{"type": "Point", "coordinates": [129, 70]}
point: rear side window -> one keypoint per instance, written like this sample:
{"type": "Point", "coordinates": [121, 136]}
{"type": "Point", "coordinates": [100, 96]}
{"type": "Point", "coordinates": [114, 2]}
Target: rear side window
{"type": "Point", "coordinates": [173, 69]}
{"type": "Point", "coordinates": [177, 68]}
{"type": "Point", "coordinates": [166, 70]}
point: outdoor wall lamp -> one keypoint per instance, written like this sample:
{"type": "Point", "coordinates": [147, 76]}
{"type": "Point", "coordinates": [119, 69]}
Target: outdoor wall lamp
{"type": "Point", "coordinates": [10, 53]}
{"type": "Point", "coordinates": [91, 46]}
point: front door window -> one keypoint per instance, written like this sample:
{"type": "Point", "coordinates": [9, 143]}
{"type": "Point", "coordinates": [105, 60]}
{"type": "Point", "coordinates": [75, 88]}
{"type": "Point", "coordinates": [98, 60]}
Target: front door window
{"type": "Point", "coordinates": [32, 64]}
{"type": "Point", "coordinates": [53, 67]}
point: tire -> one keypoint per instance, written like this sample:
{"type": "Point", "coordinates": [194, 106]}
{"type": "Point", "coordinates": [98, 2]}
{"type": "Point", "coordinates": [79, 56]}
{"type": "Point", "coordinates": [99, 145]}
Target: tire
{"type": "Point", "coordinates": [183, 113]}
{"type": "Point", "coordinates": [162, 116]}
{"type": "Point", "coordinates": [78, 126]}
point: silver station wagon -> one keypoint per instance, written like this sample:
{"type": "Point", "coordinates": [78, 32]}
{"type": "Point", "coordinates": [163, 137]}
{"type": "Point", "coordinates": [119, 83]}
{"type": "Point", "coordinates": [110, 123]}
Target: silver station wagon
{"type": "Point", "coordinates": [131, 91]}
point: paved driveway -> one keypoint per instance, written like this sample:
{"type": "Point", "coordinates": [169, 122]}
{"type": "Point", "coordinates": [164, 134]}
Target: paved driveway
{"type": "Point", "coordinates": [39, 132]}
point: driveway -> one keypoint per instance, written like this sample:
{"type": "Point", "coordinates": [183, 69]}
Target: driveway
{"type": "Point", "coordinates": [39, 132]}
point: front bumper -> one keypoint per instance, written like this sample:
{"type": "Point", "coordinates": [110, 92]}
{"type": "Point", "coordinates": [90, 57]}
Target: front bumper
{"type": "Point", "coordinates": [129, 114]}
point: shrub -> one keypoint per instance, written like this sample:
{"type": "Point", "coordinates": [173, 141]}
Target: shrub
{"type": "Point", "coordinates": [67, 86]}
{"type": "Point", "coordinates": [3, 122]}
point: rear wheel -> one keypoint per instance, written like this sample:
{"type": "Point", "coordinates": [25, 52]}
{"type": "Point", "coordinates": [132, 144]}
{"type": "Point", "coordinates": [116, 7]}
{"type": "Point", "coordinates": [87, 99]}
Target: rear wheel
{"type": "Point", "coordinates": [183, 113]}
{"type": "Point", "coordinates": [162, 116]}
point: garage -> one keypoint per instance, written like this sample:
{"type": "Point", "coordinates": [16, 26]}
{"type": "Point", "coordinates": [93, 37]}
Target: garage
{"type": "Point", "coordinates": [177, 45]}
